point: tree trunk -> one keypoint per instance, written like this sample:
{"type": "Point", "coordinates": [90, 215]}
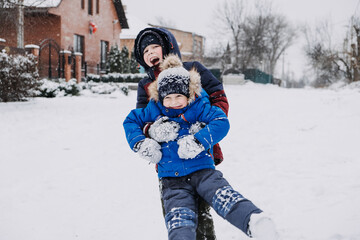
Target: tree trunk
{"type": "Point", "coordinates": [20, 25]}
{"type": "Point", "coordinates": [357, 56]}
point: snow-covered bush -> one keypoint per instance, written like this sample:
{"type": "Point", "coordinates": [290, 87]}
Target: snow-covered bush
{"type": "Point", "coordinates": [70, 87]}
{"type": "Point", "coordinates": [125, 90]}
{"type": "Point", "coordinates": [106, 88]}
{"type": "Point", "coordinates": [48, 89]}
{"type": "Point", "coordinates": [18, 77]}
{"type": "Point", "coordinates": [116, 77]}
{"type": "Point", "coordinates": [59, 88]}
{"type": "Point", "coordinates": [54, 88]}
{"type": "Point", "coordinates": [102, 88]}
{"type": "Point", "coordinates": [93, 77]}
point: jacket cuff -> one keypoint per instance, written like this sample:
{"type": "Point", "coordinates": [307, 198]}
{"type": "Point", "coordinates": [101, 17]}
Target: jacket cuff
{"type": "Point", "coordinates": [146, 129]}
{"type": "Point", "coordinates": [200, 139]}
{"type": "Point", "coordinates": [137, 146]}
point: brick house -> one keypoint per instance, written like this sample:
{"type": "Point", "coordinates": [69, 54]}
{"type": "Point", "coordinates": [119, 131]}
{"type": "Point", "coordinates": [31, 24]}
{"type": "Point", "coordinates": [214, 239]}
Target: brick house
{"type": "Point", "coordinates": [191, 44]}
{"type": "Point", "coordinates": [60, 27]}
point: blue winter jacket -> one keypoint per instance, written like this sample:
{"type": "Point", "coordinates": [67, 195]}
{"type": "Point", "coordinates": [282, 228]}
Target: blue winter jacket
{"type": "Point", "coordinates": [170, 165]}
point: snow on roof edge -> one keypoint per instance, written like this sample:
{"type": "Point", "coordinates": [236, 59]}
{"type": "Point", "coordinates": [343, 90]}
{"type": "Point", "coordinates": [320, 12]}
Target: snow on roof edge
{"type": "Point", "coordinates": [42, 3]}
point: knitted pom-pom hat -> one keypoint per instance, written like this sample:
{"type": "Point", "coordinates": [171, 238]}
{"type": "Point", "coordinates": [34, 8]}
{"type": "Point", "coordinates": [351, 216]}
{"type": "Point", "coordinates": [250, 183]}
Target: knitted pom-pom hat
{"type": "Point", "coordinates": [174, 78]}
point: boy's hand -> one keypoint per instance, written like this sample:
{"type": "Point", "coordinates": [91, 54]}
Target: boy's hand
{"type": "Point", "coordinates": [163, 130]}
{"type": "Point", "coordinates": [189, 147]}
{"type": "Point", "coordinates": [149, 149]}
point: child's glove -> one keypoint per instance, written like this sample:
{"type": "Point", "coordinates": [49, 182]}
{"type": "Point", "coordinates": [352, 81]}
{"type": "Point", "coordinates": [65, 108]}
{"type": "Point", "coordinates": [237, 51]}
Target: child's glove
{"type": "Point", "coordinates": [196, 127]}
{"type": "Point", "coordinates": [149, 149]}
{"type": "Point", "coordinates": [189, 147]}
{"type": "Point", "coordinates": [163, 130]}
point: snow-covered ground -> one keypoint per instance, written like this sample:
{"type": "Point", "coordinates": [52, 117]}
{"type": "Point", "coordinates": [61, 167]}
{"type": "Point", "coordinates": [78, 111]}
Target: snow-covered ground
{"type": "Point", "coordinates": [66, 171]}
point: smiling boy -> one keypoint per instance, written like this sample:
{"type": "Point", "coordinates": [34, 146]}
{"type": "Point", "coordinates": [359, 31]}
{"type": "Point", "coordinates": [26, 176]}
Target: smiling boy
{"type": "Point", "coordinates": [151, 46]}
{"type": "Point", "coordinates": [185, 164]}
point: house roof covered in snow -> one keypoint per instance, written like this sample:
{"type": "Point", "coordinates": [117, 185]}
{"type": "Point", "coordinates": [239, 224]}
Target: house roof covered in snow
{"type": "Point", "coordinates": [42, 3]}
{"type": "Point", "coordinates": [135, 26]}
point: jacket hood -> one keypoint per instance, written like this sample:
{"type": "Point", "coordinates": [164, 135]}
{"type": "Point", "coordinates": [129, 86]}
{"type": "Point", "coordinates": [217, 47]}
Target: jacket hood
{"type": "Point", "coordinates": [171, 62]}
{"type": "Point", "coordinates": [170, 45]}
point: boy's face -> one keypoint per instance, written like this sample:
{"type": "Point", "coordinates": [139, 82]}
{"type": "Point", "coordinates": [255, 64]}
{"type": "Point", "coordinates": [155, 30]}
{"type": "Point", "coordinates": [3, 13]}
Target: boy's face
{"type": "Point", "coordinates": [153, 55]}
{"type": "Point", "coordinates": [175, 101]}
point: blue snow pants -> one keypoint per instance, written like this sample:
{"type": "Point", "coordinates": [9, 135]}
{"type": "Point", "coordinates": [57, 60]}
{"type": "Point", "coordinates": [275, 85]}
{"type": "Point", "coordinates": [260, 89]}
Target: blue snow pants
{"type": "Point", "coordinates": [180, 202]}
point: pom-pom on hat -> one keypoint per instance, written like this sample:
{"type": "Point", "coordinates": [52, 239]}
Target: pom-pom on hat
{"type": "Point", "coordinates": [174, 78]}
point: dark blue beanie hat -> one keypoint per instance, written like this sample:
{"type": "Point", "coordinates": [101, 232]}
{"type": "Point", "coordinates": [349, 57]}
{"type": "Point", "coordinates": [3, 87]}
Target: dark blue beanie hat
{"type": "Point", "coordinates": [150, 37]}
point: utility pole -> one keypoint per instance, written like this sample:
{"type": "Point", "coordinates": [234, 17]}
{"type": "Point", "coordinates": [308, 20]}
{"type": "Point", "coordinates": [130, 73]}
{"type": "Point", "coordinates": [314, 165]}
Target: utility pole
{"type": "Point", "coordinates": [20, 24]}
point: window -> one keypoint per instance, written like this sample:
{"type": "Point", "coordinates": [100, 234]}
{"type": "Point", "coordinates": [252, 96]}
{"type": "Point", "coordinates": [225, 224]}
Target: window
{"type": "Point", "coordinates": [104, 47]}
{"type": "Point", "coordinates": [82, 4]}
{"type": "Point", "coordinates": [90, 7]}
{"type": "Point", "coordinates": [97, 6]}
{"type": "Point", "coordinates": [79, 43]}
{"type": "Point", "coordinates": [199, 46]}
{"type": "Point", "coordinates": [79, 46]}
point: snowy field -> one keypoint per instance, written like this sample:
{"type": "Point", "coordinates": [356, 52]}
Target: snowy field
{"type": "Point", "coordinates": [67, 173]}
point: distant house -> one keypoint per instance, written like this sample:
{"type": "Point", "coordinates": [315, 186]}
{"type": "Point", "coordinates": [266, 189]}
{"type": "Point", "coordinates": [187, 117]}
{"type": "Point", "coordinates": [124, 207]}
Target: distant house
{"type": "Point", "coordinates": [86, 27]}
{"type": "Point", "coordinates": [191, 44]}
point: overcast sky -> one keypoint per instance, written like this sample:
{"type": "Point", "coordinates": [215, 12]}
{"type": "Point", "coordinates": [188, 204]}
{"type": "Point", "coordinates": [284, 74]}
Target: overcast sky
{"type": "Point", "coordinates": [197, 16]}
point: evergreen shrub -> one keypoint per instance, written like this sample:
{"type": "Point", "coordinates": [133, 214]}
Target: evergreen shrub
{"type": "Point", "coordinates": [18, 77]}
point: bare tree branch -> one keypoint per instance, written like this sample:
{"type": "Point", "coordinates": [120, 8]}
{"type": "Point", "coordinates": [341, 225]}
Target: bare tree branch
{"type": "Point", "coordinates": [258, 36]}
{"type": "Point", "coordinates": [231, 18]}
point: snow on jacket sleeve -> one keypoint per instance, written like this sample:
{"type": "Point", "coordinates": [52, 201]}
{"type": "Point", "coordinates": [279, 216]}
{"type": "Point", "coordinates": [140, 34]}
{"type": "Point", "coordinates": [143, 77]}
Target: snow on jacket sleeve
{"type": "Point", "coordinates": [217, 125]}
{"type": "Point", "coordinates": [136, 120]}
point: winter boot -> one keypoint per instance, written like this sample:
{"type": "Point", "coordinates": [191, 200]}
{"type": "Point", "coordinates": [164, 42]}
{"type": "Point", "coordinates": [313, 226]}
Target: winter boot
{"type": "Point", "coordinates": [261, 227]}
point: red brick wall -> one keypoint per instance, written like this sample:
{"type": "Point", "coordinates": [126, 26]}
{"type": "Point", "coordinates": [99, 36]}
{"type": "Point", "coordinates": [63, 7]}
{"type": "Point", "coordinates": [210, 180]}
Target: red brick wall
{"type": "Point", "coordinates": [8, 30]}
{"type": "Point", "coordinates": [129, 43]}
{"type": "Point", "coordinates": [75, 20]}
{"type": "Point", "coordinates": [186, 41]}
{"type": "Point", "coordinates": [37, 28]}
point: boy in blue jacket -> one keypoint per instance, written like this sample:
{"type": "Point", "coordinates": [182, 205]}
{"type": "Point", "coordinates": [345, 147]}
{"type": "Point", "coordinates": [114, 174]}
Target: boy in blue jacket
{"type": "Point", "coordinates": [184, 157]}
{"type": "Point", "coordinates": [151, 45]}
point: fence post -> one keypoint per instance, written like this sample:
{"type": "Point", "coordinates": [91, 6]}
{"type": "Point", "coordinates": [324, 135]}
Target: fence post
{"type": "Point", "coordinates": [78, 57]}
{"type": "Point", "coordinates": [32, 49]}
{"type": "Point", "coordinates": [85, 66]}
{"type": "Point", "coordinates": [67, 65]}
